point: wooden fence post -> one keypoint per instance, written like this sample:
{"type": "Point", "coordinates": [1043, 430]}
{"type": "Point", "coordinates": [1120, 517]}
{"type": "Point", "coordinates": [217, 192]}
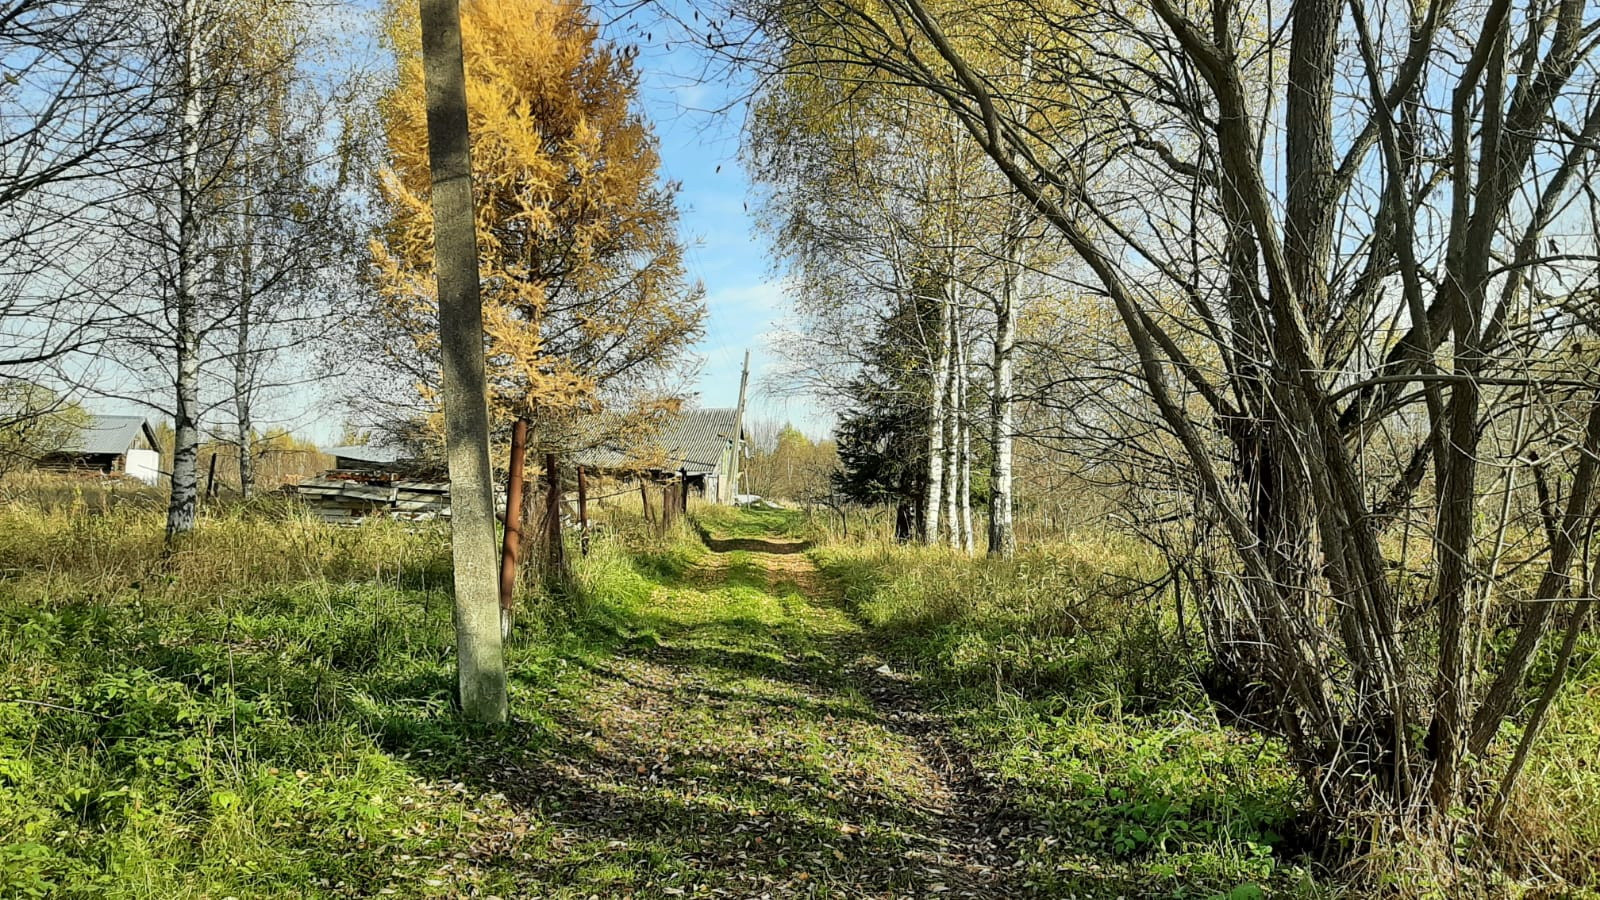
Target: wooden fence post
{"type": "Point", "coordinates": [511, 544]}
{"type": "Point", "coordinates": [211, 476]}
{"type": "Point", "coordinates": [557, 559]}
{"type": "Point", "coordinates": [683, 498]}
{"type": "Point", "coordinates": [644, 497]}
{"type": "Point", "coordinates": [667, 509]}
{"type": "Point", "coordinates": [583, 513]}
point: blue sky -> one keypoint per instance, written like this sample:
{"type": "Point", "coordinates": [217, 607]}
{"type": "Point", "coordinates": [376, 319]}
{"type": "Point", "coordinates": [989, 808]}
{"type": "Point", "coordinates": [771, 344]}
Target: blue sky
{"type": "Point", "coordinates": [698, 120]}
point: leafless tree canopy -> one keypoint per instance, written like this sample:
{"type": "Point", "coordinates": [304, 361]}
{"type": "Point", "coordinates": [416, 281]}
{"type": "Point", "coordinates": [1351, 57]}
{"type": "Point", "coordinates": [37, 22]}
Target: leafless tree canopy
{"type": "Point", "coordinates": [72, 112]}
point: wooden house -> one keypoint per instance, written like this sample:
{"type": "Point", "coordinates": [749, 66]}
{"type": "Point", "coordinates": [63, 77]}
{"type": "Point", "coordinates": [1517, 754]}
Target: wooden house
{"type": "Point", "coordinates": [706, 446]}
{"type": "Point", "coordinates": [111, 445]}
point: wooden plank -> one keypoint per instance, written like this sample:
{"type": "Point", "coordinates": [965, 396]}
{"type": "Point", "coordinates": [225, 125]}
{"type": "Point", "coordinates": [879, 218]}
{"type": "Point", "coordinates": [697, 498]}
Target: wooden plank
{"type": "Point", "coordinates": [348, 497]}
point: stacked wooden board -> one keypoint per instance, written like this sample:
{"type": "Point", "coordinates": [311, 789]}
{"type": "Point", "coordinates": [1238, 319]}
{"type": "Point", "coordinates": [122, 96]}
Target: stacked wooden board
{"type": "Point", "coordinates": [347, 496]}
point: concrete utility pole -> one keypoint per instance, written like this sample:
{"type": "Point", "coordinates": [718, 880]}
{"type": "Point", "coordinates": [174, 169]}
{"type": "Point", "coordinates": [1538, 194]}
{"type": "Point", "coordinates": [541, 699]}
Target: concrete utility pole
{"type": "Point", "coordinates": [480, 660]}
{"type": "Point", "coordinates": [731, 489]}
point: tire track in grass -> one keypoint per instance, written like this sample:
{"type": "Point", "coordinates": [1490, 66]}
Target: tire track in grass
{"type": "Point", "coordinates": [742, 742]}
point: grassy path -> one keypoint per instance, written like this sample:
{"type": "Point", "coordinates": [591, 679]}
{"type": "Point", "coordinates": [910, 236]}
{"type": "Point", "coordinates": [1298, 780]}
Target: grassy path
{"type": "Point", "coordinates": [738, 741]}
{"type": "Point", "coordinates": [268, 713]}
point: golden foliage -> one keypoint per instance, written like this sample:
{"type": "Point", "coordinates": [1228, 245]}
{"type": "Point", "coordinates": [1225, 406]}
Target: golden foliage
{"type": "Point", "coordinates": [585, 299]}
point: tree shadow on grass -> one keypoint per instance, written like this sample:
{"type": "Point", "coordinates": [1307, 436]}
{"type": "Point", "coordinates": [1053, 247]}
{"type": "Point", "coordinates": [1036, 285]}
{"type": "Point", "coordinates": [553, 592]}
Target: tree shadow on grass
{"type": "Point", "coordinates": [754, 545]}
{"type": "Point", "coordinates": [677, 768]}
{"type": "Point", "coordinates": [644, 811]}
{"type": "Point", "coordinates": [712, 826]}
{"type": "Point", "coordinates": [797, 703]}
{"type": "Point", "coordinates": [749, 545]}
{"type": "Point", "coordinates": [721, 751]}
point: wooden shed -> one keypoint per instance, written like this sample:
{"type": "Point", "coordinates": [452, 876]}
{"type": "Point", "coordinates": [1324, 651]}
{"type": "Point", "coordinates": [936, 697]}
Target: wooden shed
{"type": "Point", "coordinates": [111, 445]}
{"type": "Point", "coordinates": [704, 445]}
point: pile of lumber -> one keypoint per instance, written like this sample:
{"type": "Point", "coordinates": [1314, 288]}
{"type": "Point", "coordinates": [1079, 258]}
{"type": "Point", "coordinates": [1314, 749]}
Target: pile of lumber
{"type": "Point", "coordinates": [347, 496]}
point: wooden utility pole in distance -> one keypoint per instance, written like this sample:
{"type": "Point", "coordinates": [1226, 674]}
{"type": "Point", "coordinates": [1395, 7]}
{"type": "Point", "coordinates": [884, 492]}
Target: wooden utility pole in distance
{"type": "Point", "coordinates": [480, 662]}
{"type": "Point", "coordinates": [211, 476]}
{"type": "Point", "coordinates": [727, 493]}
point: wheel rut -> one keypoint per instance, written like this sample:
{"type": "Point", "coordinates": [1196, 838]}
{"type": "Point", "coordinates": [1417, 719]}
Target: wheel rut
{"type": "Point", "coordinates": [740, 738]}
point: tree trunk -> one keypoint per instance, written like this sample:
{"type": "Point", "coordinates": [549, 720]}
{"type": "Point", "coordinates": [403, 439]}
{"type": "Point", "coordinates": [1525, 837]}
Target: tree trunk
{"type": "Point", "coordinates": [1002, 406]}
{"type": "Point", "coordinates": [511, 543]}
{"type": "Point", "coordinates": [480, 661]}
{"type": "Point", "coordinates": [904, 522]}
{"type": "Point", "coordinates": [243, 384]}
{"type": "Point", "coordinates": [557, 578]}
{"type": "Point", "coordinates": [583, 513]}
{"type": "Point", "coordinates": [964, 423]}
{"type": "Point", "coordinates": [952, 435]}
{"type": "Point", "coordinates": [933, 494]}
{"type": "Point", "coordinates": [185, 425]}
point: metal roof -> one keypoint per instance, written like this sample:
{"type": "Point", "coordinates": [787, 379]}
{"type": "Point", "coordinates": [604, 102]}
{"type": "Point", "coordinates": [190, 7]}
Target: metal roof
{"type": "Point", "coordinates": [365, 453]}
{"type": "Point", "coordinates": [111, 435]}
{"type": "Point", "coordinates": [693, 440]}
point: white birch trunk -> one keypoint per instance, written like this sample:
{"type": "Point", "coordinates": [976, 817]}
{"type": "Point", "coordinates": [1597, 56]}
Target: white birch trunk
{"type": "Point", "coordinates": [952, 440]}
{"type": "Point", "coordinates": [243, 383]}
{"type": "Point", "coordinates": [964, 423]}
{"type": "Point", "coordinates": [186, 426]}
{"type": "Point", "coordinates": [1002, 405]}
{"type": "Point", "coordinates": [934, 498]}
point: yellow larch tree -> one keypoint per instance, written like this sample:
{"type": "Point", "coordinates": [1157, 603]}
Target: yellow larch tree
{"type": "Point", "coordinates": [587, 308]}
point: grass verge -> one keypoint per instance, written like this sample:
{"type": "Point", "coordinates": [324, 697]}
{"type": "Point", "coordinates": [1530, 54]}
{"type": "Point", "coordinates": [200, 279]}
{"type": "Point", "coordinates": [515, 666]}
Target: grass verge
{"type": "Point", "coordinates": [1081, 693]}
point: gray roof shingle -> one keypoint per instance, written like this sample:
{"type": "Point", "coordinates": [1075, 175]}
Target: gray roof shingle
{"type": "Point", "coordinates": [365, 453]}
{"type": "Point", "coordinates": [110, 434]}
{"type": "Point", "coordinates": [693, 440]}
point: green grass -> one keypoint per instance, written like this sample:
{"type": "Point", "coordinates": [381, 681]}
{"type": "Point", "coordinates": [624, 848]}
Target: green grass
{"type": "Point", "coordinates": [1069, 687]}
{"type": "Point", "coordinates": [1078, 688]}
{"type": "Point", "coordinates": [758, 523]}
{"type": "Point", "coordinates": [268, 712]}
{"type": "Point", "coordinates": [264, 713]}
{"type": "Point", "coordinates": [1555, 822]}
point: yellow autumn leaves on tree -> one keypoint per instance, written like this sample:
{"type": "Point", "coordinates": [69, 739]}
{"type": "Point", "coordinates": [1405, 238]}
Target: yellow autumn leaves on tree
{"type": "Point", "coordinates": [586, 304]}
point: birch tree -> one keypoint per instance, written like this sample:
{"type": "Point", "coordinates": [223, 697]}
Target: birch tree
{"type": "Point", "coordinates": [1299, 270]}
{"type": "Point", "coordinates": [289, 243]}
{"type": "Point", "coordinates": [194, 26]}
{"type": "Point", "coordinates": [1002, 392]}
{"type": "Point", "coordinates": [878, 209]}
{"type": "Point", "coordinates": [213, 74]}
